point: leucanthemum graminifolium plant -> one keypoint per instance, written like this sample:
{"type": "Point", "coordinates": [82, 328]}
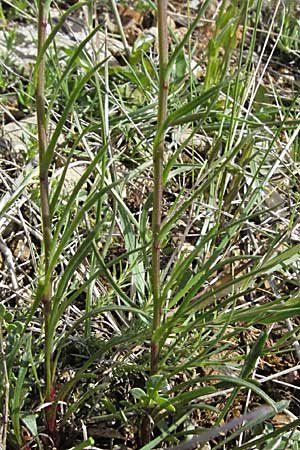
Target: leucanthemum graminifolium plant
{"type": "Point", "coordinates": [166, 256]}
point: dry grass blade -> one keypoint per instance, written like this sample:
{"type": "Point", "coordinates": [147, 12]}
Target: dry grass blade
{"type": "Point", "coordinates": [257, 415]}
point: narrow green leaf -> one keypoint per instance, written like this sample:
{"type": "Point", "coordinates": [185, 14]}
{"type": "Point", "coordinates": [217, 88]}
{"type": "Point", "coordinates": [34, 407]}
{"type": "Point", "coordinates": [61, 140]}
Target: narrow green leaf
{"type": "Point", "coordinates": [253, 355]}
{"type": "Point", "coordinates": [45, 164]}
{"type": "Point", "coordinates": [71, 62]}
{"type": "Point", "coordinates": [178, 49]}
{"type": "Point", "coordinates": [54, 32]}
{"type": "Point", "coordinates": [86, 444]}
{"type": "Point", "coordinates": [18, 394]}
{"type": "Point", "coordinates": [235, 381]}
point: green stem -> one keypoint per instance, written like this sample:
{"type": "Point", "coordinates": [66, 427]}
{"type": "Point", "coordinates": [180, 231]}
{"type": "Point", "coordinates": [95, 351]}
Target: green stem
{"type": "Point", "coordinates": [6, 390]}
{"type": "Point", "coordinates": [158, 154]}
{"type": "Point", "coordinates": [43, 8]}
{"type": "Point", "coordinates": [120, 27]}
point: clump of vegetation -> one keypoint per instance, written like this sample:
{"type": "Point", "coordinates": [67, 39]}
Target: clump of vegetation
{"type": "Point", "coordinates": [149, 228]}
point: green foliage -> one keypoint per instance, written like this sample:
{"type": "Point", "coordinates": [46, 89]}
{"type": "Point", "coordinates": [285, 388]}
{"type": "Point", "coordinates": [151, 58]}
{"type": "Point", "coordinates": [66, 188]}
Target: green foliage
{"type": "Point", "coordinates": [289, 440]}
{"type": "Point", "coordinates": [229, 140]}
{"type": "Point", "coordinates": [289, 41]}
{"type": "Point", "coordinates": [154, 396]}
{"type": "Point", "coordinates": [222, 43]}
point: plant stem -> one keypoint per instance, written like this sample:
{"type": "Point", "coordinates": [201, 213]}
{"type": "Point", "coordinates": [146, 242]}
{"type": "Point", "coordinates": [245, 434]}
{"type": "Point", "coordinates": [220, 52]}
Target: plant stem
{"type": "Point", "coordinates": [45, 210]}
{"type": "Point", "coordinates": [6, 389]}
{"type": "Point", "coordinates": [158, 154]}
{"type": "Point", "coordinates": [120, 27]}
{"type": "Point", "coordinates": [42, 135]}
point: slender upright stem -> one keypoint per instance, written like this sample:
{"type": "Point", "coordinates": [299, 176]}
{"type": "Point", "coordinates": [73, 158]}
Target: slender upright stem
{"type": "Point", "coordinates": [158, 155]}
{"type": "Point", "coordinates": [120, 27]}
{"type": "Point", "coordinates": [45, 208]}
{"type": "Point", "coordinates": [42, 135]}
{"type": "Point", "coordinates": [6, 389]}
